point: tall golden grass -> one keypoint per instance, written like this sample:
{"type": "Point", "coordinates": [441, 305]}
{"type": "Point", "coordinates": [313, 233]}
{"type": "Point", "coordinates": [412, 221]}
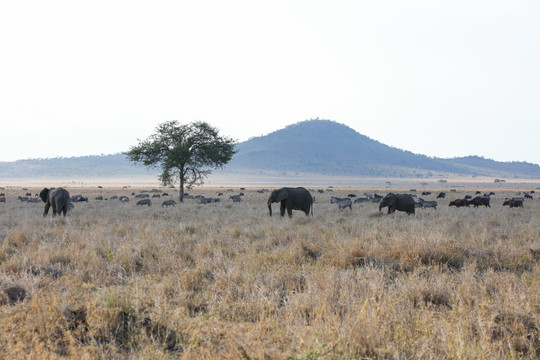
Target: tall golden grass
{"type": "Point", "coordinates": [226, 281]}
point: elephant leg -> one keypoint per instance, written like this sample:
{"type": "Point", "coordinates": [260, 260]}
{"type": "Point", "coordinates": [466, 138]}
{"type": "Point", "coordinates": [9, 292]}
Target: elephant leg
{"type": "Point", "coordinates": [289, 209]}
{"type": "Point", "coordinates": [46, 210]}
{"type": "Point", "coordinates": [282, 208]}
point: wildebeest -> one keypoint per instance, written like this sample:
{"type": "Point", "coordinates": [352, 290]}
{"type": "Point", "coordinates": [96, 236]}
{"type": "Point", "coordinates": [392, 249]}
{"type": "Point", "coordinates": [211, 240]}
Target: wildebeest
{"type": "Point", "coordinates": [480, 200]}
{"type": "Point", "coordinates": [144, 202]}
{"type": "Point", "coordinates": [361, 200]}
{"type": "Point", "coordinates": [441, 195]}
{"type": "Point", "coordinates": [528, 196]}
{"type": "Point", "coordinates": [351, 195]}
{"type": "Point", "coordinates": [235, 198]}
{"type": "Point", "coordinates": [168, 203]}
{"type": "Point", "coordinates": [123, 198]}
{"type": "Point", "coordinates": [2, 199]}
{"type": "Point", "coordinates": [459, 203]}
{"type": "Point", "coordinates": [468, 197]}
{"type": "Point", "coordinates": [513, 203]}
{"type": "Point", "coordinates": [342, 202]}
{"type": "Point", "coordinates": [156, 196]}
{"type": "Point", "coordinates": [100, 197]}
{"type": "Point", "coordinates": [79, 198]}
{"type": "Point", "coordinates": [424, 193]}
{"type": "Point", "coordinates": [427, 204]}
{"type": "Point", "coordinates": [141, 196]}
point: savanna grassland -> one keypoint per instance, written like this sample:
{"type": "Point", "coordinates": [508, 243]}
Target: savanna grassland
{"type": "Point", "coordinates": [226, 281]}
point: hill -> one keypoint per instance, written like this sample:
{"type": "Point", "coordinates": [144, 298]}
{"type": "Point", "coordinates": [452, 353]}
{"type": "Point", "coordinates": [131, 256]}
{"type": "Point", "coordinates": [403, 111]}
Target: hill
{"type": "Point", "coordinates": [314, 146]}
{"type": "Point", "coordinates": [330, 148]}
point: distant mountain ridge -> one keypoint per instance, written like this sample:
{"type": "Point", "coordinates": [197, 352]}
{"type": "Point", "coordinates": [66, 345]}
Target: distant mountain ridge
{"type": "Point", "coordinates": [313, 146]}
{"type": "Point", "coordinates": [327, 147]}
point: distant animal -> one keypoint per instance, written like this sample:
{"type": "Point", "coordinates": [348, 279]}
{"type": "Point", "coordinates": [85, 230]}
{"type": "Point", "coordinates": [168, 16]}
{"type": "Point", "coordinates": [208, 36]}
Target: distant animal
{"type": "Point", "coordinates": [114, 197]}
{"type": "Point", "coordinates": [477, 193]}
{"type": "Point", "coordinates": [342, 202]}
{"type": "Point", "coordinates": [28, 194]}
{"type": "Point", "coordinates": [426, 193]}
{"type": "Point", "coordinates": [99, 197]}
{"type": "Point", "coordinates": [441, 195]}
{"type": "Point", "coordinates": [468, 197]}
{"type": "Point", "coordinates": [513, 203]}
{"type": "Point", "coordinates": [528, 196]}
{"type": "Point", "coordinates": [2, 199]}
{"type": "Point", "coordinates": [235, 198]}
{"type": "Point", "coordinates": [321, 191]}
{"type": "Point", "coordinates": [221, 194]}
{"type": "Point", "coordinates": [144, 202]}
{"type": "Point", "coordinates": [361, 200]}
{"type": "Point", "coordinates": [165, 194]}
{"type": "Point", "coordinates": [427, 204]}
{"type": "Point", "coordinates": [352, 195]}
{"type": "Point", "coordinates": [243, 188]}
{"type": "Point", "coordinates": [79, 198]}
{"type": "Point", "coordinates": [459, 203]}
{"type": "Point", "coordinates": [168, 203]}
{"type": "Point", "coordinates": [142, 196]}
{"type": "Point", "coordinates": [156, 196]}
{"type": "Point", "coordinates": [123, 199]}
{"type": "Point", "coordinates": [400, 202]}
{"type": "Point", "coordinates": [57, 198]}
{"type": "Point", "coordinates": [480, 200]}
{"type": "Point", "coordinates": [291, 199]}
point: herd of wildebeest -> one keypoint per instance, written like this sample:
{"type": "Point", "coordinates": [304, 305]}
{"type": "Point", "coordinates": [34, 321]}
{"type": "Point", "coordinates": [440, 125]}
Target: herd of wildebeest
{"type": "Point", "coordinates": [289, 199]}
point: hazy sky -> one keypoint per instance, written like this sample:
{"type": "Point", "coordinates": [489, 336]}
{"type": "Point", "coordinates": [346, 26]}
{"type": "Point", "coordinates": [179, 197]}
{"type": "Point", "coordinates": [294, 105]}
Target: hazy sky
{"type": "Point", "coordinates": [441, 78]}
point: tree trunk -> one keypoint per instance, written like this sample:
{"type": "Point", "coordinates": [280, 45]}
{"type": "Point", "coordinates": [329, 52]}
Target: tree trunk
{"type": "Point", "coordinates": [181, 187]}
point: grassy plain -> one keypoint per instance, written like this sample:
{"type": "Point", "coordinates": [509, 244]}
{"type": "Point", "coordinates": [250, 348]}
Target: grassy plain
{"type": "Point", "coordinates": [226, 281]}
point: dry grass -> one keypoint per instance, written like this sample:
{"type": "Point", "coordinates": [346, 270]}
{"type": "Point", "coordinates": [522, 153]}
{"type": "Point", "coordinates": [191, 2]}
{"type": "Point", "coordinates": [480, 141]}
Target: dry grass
{"type": "Point", "coordinates": [227, 281]}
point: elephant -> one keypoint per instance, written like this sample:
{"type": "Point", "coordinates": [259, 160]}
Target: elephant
{"type": "Point", "coordinates": [58, 198]}
{"type": "Point", "coordinates": [291, 199]}
{"type": "Point", "coordinates": [400, 202]}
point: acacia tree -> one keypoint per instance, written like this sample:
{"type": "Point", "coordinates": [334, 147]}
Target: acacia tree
{"type": "Point", "coordinates": [185, 153]}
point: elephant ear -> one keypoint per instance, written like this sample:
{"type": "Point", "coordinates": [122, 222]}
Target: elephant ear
{"type": "Point", "coordinates": [43, 194]}
{"type": "Point", "coordinates": [282, 195]}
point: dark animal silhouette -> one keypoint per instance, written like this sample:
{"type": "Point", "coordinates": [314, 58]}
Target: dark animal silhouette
{"type": "Point", "coordinates": [57, 198]}
{"type": "Point", "coordinates": [513, 203]}
{"type": "Point", "coordinates": [459, 203]}
{"type": "Point", "coordinates": [400, 202]}
{"type": "Point", "coordinates": [144, 202]}
{"type": "Point", "coordinates": [291, 199]}
{"type": "Point", "coordinates": [480, 200]}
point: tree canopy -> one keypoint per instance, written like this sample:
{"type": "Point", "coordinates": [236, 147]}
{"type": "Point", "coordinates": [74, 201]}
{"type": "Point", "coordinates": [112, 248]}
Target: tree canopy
{"type": "Point", "coordinates": [185, 152]}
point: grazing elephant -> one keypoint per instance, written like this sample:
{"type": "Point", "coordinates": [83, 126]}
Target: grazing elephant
{"type": "Point", "coordinates": [58, 198]}
{"type": "Point", "coordinates": [400, 202]}
{"type": "Point", "coordinates": [291, 199]}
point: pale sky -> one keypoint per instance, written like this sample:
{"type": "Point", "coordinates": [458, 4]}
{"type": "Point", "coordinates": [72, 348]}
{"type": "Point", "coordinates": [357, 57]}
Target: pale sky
{"type": "Point", "coordinates": [440, 78]}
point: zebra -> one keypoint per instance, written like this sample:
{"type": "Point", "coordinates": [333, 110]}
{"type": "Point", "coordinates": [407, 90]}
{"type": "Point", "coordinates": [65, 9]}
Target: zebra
{"type": "Point", "coordinates": [427, 204]}
{"type": "Point", "coordinates": [342, 203]}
